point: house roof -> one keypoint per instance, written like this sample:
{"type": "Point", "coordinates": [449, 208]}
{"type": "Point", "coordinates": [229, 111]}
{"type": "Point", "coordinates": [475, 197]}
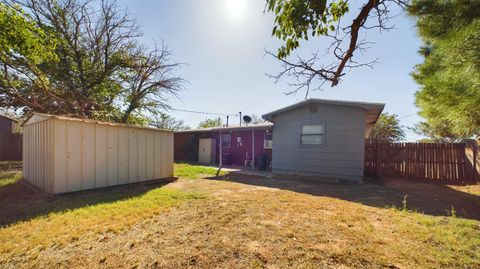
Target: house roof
{"type": "Point", "coordinates": [373, 110]}
{"type": "Point", "coordinates": [43, 117]}
{"type": "Point", "coordinates": [246, 127]}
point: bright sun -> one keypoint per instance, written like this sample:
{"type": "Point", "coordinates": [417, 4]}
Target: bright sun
{"type": "Point", "coordinates": [235, 9]}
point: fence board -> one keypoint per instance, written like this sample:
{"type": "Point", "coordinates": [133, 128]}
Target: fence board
{"type": "Point", "coordinates": [433, 161]}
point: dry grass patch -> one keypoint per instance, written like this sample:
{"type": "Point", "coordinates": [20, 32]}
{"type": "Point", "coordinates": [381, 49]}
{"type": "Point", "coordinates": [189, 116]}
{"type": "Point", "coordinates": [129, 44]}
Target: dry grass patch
{"type": "Point", "coordinates": [472, 189]}
{"type": "Point", "coordinates": [246, 222]}
{"type": "Point", "coordinates": [72, 218]}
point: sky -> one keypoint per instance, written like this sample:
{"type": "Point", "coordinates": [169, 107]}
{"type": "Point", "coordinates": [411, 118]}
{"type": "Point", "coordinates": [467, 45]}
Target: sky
{"type": "Point", "coordinates": [222, 44]}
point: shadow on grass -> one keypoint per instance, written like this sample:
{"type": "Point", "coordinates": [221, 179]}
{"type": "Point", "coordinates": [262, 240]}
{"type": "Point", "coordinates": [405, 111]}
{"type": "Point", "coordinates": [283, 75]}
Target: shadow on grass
{"type": "Point", "coordinates": [21, 201]}
{"type": "Point", "coordinates": [431, 199]}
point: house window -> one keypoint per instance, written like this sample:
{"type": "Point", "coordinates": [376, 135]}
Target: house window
{"type": "Point", "coordinates": [267, 140]}
{"type": "Point", "coordinates": [313, 135]}
{"type": "Point", "coordinates": [226, 140]}
{"type": "Point", "coordinates": [239, 141]}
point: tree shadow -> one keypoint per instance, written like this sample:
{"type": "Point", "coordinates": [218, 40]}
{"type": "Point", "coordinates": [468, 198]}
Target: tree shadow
{"type": "Point", "coordinates": [427, 198]}
{"type": "Point", "coordinates": [21, 201]}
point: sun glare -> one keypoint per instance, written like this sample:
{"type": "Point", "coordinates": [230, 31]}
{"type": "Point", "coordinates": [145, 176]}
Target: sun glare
{"type": "Point", "coordinates": [235, 9]}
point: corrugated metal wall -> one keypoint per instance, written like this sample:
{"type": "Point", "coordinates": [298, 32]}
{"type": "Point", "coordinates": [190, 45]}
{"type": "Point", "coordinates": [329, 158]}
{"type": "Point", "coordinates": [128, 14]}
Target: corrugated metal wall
{"type": "Point", "coordinates": [85, 155]}
{"type": "Point", "coordinates": [38, 154]}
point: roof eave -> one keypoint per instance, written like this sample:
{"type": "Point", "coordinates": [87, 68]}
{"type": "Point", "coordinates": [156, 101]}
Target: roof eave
{"type": "Point", "coordinates": [65, 118]}
{"type": "Point", "coordinates": [237, 128]}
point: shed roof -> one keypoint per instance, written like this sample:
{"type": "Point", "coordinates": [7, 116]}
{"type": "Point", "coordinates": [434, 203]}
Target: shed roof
{"type": "Point", "coordinates": [373, 110]}
{"type": "Point", "coordinates": [43, 116]}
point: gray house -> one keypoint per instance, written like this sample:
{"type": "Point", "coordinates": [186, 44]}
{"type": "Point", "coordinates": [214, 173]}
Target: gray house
{"type": "Point", "coordinates": [321, 137]}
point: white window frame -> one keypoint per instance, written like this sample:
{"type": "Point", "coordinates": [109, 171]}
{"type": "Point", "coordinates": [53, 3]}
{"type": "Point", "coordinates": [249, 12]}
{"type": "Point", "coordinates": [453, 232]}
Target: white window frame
{"type": "Point", "coordinates": [267, 145]}
{"type": "Point", "coordinates": [321, 134]}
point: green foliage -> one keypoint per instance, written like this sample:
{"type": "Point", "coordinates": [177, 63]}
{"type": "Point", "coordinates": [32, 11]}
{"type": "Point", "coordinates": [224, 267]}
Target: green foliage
{"type": "Point", "coordinates": [298, 19]}
{"type": "Point", "coordinates": [210, 123]}
{"type": "Point", "coordinates": [167, 122]}
{"type": "Point", "coordinates": [24, 46]}
{"type": "Point", "coordinates": [449, 98]}
{"type": "Point", "coordinates": [387, 129]}
{"type": "Point", "coordinates": [437, 132]}
{"type": "Point", "coordinates": [80, 58]}
{"type": "Point", "coordinates": [9, 178]}
{"type": "Point", "coordinates": [21, 39]}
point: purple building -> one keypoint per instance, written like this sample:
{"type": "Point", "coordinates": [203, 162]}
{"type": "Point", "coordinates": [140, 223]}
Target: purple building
{"type": "Point", "coordinates": [246, 145]}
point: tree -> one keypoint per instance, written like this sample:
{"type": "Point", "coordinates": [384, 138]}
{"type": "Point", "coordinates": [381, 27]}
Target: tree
{"type": "Point", "coordinates": [11, 114]}
{"type": "Point", "coordinates": [23, 47]}
{"type": "Point", "coordinates": [257, 119]}
{"type": "Point", "coordinates": [449, 98]}
{"type": "Point", "coordinates": [167, 122]}
{"type": "Point", "coordinates": [103, 71]}
{"type": "Point", "coordinates": [387, 129]}
{"type": "Point", "coordinates": [149, 80]}
{"type": "Point", "coordinates": [210, 123]}
{"type": "Point", "coordinates": [298, 20]}
{"type": "Point", "coordinates": [438, 133]}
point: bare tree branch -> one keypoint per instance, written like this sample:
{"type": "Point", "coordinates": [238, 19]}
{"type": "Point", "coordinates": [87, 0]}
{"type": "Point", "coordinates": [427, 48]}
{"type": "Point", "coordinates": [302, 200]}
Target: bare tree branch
{"type": "Point", "coordinates": [345, 43]}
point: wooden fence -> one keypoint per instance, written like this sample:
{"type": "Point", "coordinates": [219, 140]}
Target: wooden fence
{"type": "Point", "coordinates": [432, 161]}
{"type": "Point", "coordinates": [10, 147]}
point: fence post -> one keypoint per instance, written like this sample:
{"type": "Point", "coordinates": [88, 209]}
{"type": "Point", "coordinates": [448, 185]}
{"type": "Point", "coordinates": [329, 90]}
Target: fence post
{"type": "Point", "coordinates": [471, 153]}
{"type": "Point", "coordinates": [377, 159]}
{"type": "Point", "coordinates": [475, 161]}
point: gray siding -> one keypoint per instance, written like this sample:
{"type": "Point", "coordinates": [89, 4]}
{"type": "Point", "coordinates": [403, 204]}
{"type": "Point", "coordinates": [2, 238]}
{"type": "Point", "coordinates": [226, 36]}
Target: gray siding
{"type": "Point", "coordinates": [342, 155]}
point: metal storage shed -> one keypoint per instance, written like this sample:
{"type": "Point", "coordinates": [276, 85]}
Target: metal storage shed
{"type": "Point", "coordinates": [63, 154]}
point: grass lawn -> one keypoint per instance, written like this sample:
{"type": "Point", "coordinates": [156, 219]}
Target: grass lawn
{"type": "Point", "coordinates": [185, 170]}
{"type": "Point", "coordinates": [241, 221]}
{"type": "Point", "coordinates": [9, 165]}
{"type": "Point", "coordinates": [8, 178]}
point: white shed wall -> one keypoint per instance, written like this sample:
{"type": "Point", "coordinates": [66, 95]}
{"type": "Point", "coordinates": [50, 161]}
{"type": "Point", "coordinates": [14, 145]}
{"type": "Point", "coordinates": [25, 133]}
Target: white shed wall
{"type": "Point", "coordinates": [70, 155]}
{"type": "Point", "coordinates": [37, 154]}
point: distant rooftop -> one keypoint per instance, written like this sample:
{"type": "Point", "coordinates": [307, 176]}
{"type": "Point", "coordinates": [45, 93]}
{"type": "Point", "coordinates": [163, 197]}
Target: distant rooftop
{"type": "Point", "coordinates": [262, 125]}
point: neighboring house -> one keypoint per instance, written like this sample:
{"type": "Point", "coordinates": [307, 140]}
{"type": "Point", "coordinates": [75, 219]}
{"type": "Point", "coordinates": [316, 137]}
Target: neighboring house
{"type": "Point", "coordinates": [237, 147]}
{"type": "Point", "coordinates": [10, 140]}
{"type": "Point", "coordinates": [7, 125]}
{"type": "Point", "coordinates": [322, 137]}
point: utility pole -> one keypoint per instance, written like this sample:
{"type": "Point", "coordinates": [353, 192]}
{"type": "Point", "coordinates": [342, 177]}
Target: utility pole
{"type": "Point", "coordinates": [240, 117]}
{"type": "Point", "coordinates": [227, 120]}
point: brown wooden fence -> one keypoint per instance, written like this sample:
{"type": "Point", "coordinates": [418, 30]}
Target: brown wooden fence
{"type": "Point", "coordinates": [10, 147]}
{"type": "Point", "coordinates": [433, 161]}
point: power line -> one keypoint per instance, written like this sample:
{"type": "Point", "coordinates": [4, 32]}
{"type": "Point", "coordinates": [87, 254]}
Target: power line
{"type": "Point", "coordinates": [205, 113]}
{"type": "Point", "coordinates": [406, 116]}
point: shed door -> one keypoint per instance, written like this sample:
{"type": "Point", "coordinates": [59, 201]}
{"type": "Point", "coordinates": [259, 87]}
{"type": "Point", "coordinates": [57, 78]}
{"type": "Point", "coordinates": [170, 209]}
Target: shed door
{"type": "Point", "coordinates": [205, 150]}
